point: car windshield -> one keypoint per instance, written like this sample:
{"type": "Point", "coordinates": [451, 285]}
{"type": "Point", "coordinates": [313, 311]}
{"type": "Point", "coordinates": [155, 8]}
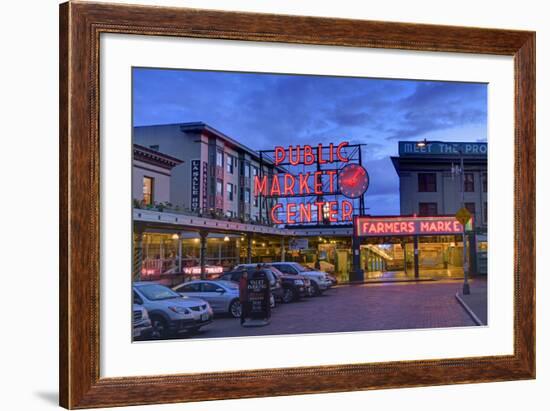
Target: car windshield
{"type": "Point", "coordinates": [300, 268]}
{"type": "Point", "coordinates": [156, 292]}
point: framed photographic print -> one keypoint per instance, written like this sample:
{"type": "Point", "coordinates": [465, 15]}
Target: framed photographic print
{"type": "Point", "coordinates": [257, 205]}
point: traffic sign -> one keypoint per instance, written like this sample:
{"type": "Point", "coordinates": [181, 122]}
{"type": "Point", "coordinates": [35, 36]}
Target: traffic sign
{"type": "Point", "coordinates": [463, 216]}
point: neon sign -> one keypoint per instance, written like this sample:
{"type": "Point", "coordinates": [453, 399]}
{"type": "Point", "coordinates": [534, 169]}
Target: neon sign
{"type": "Point", "coordinates": [400, 226]}
{"type": "Point", "coordinates": [312, 183]}
{"type": "Point", "coordinates": [209, 269]}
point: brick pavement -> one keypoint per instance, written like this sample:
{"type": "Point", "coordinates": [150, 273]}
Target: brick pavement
{"type": "Point", "coordinates": [358, 308]}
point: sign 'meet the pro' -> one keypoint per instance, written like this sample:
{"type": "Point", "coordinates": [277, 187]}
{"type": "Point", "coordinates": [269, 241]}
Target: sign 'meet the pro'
{"type": "Point", "coordinates": [316, 183]}
{"type": "Point", "coordinates": [390, 226]}
{"type": "Point", "coordinates": [410, 148]}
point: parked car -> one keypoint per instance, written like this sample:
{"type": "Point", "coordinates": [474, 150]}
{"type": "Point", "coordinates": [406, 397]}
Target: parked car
{"type": "Point", "coordinates": [332, 279]}
{"type": "Point", "coordinates": [319, 280]}
{"type": "Point", "coordinates": [293, 287]}
{"type": "Point", "coordinates": [142, 327]}
{"type": "Point", "coordinates": [170, 313]}
{"type": "Point", "coordinates": [223, 296]}
{"type": "Point", "coordinates": [275, 283]}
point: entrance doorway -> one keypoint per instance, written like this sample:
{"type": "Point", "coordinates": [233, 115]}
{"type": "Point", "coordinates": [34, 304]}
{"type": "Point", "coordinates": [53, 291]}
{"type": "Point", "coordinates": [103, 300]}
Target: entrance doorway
{"type": "Point", "coordinates": [438, 257]}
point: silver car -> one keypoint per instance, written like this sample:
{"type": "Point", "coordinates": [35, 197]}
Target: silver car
{"type": "Point", "coordinates": [222, 295]}
{"type": "Point", "coordinates": [142, 327]}
{"type": "Point", "coordinates": [170, 313]}
{"type": "Point", "coordinates": [319, 279]}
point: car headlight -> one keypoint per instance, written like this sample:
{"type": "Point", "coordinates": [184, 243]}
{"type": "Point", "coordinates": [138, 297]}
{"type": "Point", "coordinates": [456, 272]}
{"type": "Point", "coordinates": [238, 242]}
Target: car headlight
{"type": "Point", "coordinates": [144, 314]}
{"type": "Point", "coordinates": [298, 282]}
{"type": "Point", "coordinates": [180, 310]}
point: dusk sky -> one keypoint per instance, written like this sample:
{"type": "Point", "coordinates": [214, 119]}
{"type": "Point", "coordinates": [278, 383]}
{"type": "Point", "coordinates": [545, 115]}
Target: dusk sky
{"type": "Point", "coordinates": [264, 110]}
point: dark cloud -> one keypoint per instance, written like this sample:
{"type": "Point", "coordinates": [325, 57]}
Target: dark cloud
{"type": "Point", "coordinates": [262, 110]}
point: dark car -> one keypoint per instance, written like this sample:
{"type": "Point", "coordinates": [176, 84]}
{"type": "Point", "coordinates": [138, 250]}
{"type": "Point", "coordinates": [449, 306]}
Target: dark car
{"type": "Point", "coordinates": [276, 286]}
{"type": "Point", "coordinates": [294, 286]}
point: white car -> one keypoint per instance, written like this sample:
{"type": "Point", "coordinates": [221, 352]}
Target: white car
{"type": "Point", "coordinates": [170, 313]}
{"type": "Point", "coordinates": [319, 279]}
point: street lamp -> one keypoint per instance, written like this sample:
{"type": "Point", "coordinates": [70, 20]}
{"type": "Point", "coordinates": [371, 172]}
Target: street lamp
{"type": "Point", "coordinates": [425, 143]}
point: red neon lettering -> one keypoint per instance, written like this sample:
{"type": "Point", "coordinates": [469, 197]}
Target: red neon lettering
{"type": "Point", "coordinates": [448, 226]}
{"type": "Point", "coordinates": [303, 186]}
{"type": "Point", "coordinates": [309, 158]}
{"type": "Point", "coordinates": [275, 187]}
{"type": "Point", "coordinates": [280, 155]}
{"type": "Point", "coordinates": [305, 212]}
{"type": "Point", "coordinates": [320, 159]}
{"type": "Point", "coordinates": [338, 152]}
{"type": "Point", "coordinates": [289, 182]}
{"type": "Point", "coordinates": [319, 205]}
{"type": "Point", "coordinates": [331, 174]}
{"type": "Point", "coordinates": [318, 183]}
{"type": "Point", "coordinates": [347, 210]}
{"type": "Point", "coordinates": [372, 228]}
{"type": "Point", "coordinates": [290, 212]}
{"type": "Point", "coordinates": [457, 227]}
{"type": "Point", "coordinates": [296, 160]}
{"type": "Point", "coordinates": [274, 214]}
{"type": "Point", "coordinates": [260, 185]}
{"type": "Point", "coordinates": [332, 212]}
{"type": "Point", "coordinates": [380, 227]}
{"type": "Point", "coordinates": [411, 227]}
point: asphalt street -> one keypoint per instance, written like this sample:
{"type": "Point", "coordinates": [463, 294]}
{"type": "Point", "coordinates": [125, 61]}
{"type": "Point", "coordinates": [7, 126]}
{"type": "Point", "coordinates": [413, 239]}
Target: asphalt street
{"type": "Point", "coordinates": [366, 307]}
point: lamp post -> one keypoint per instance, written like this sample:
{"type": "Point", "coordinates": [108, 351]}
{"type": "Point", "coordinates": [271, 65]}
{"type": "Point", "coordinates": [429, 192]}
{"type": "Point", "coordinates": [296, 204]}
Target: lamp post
{"type": "Point", "coordinates": [425, 143]}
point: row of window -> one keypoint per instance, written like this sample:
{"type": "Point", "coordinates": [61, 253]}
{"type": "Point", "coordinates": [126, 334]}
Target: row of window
{"type": "Point", "coordinates": [427, 182]}
{"type": "Point", "coordinates": [430, 209]}
{"type": "Point", "coordinates": [231, 164]}
{"type": "Point", "coordinates": [231, 191]}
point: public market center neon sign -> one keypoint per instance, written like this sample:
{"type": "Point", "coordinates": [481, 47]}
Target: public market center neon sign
{"type": "Point", "coordinates": [287, 185]}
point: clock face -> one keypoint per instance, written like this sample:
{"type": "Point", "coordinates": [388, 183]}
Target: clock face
{"type": "Point", "coordinates": [353, 181]}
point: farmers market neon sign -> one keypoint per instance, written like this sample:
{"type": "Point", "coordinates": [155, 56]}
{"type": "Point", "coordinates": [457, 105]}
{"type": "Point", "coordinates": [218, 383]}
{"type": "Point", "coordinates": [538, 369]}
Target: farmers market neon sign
{"type": "Point", "coordinates": [304, 184]}
{"type": "Point", "coordinates": [391, 226]}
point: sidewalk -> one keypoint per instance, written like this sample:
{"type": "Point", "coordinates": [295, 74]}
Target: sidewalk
{"type": "Point", "coordinates": [476, 302]}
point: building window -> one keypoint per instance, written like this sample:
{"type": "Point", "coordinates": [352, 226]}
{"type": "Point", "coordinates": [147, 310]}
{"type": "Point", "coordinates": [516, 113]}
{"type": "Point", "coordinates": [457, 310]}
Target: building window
{"type": "Point", "coordinates": [219, 187]}
{"type": "Point", "coordinates": [485, 215]}
{"type": "Point", "coordinates": [247, 195]}
{"type": "Point", "coordinates": [245, 169]}
{"type": "Point", "coordinates": [427, 183]}
{"type": "Point", "coordinates": [484, 182]}
{"type": "Point", "coordinates": [148, 190]}
{"type": "Point", "coordinates": [471, 207]}
{"type": "Point", "coordinates": [230, 164]}
{"type": "Point", "coordinates": [256, 201]}
{"type": "Point", "coordinates": [254, 171]}
{"type": "Point", "coordinates": [219, 158]}
{"type": "Point", "coordinates": [427, 209]}
{"type": "Point", "coordinates": [469, 186]}
{"type": "Point", "coordinates": [230, 191]}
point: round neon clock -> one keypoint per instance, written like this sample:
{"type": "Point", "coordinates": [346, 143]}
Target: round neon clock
{"type": "Point", "coordinates": [353, 180]}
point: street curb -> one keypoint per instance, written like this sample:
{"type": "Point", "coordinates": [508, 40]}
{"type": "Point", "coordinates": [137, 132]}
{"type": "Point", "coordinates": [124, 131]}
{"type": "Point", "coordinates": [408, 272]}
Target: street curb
{"type": "Point", "coordinates": [468, 310]}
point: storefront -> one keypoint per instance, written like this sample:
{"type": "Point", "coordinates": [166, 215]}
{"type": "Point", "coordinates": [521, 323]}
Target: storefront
{"type": "Point", "coordinates": [430, 247]}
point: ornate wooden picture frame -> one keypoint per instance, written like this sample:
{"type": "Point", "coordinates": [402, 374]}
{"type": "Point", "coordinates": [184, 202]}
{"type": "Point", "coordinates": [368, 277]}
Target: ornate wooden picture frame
{"type": "Point", "coordinates": [80, 27]}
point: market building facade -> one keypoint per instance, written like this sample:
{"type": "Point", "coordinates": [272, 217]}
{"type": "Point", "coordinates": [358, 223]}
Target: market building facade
{"type": "Point", "coordinates": [217, 213]}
